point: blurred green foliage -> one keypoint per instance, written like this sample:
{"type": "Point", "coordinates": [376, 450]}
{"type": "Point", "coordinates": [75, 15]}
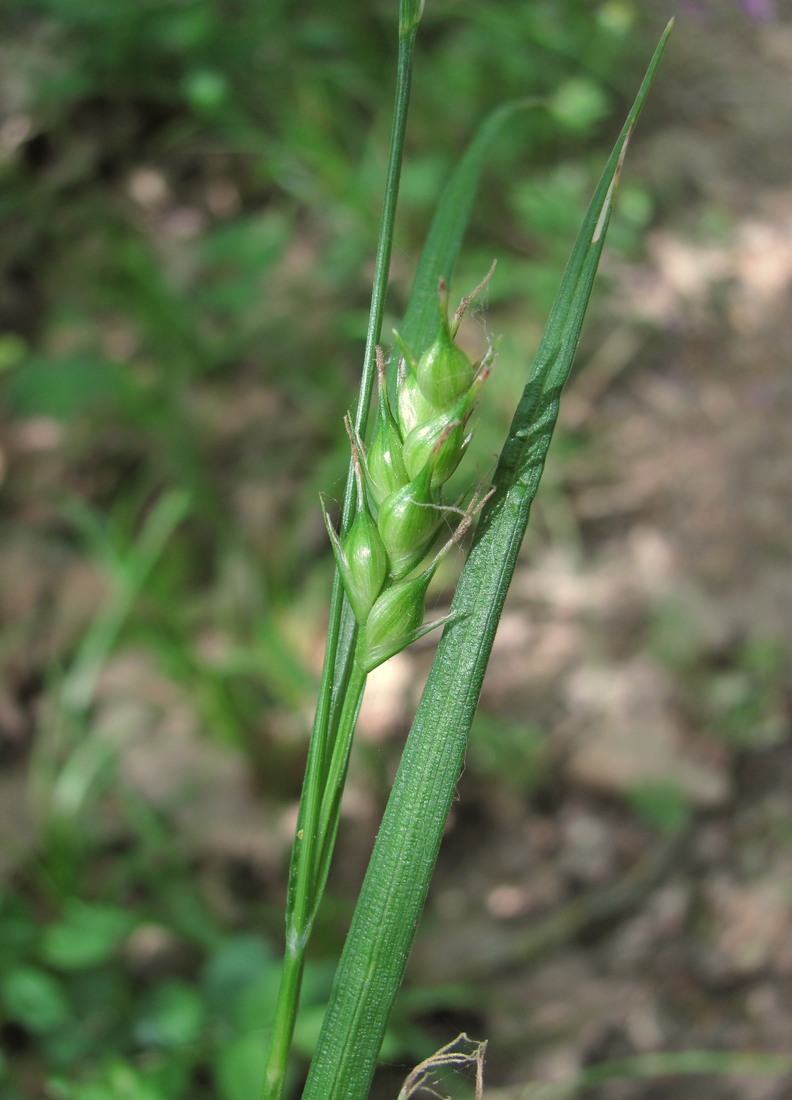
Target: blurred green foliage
{"type": "Point", "coordinates": [735, 689]}
{"type": "Point", "coordinates": [189, 197]}
{"type": "Point", "coordinates": [514, 754]}
{"type": "Point", "coordinates": [662, 804]}
{"type": "Point", "coordinates": [128, 999]}
{"type": "Point", "coordinates": [107, 1021]}
{"type": "Point", "coordinates": [191, 191]}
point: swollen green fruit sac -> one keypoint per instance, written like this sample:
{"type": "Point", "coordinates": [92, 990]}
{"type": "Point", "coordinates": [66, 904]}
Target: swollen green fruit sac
{"type": "Point", "coordinates": [362, 562]}
{"type": "Point", "coordinates": [384, 465]}
{"type": "Point", "coordinates": [440, 443]}
{"type": "Point", "coordinates": [367, 565]}
{"type": "Point", "coordinates": [444, 372]}
{"type": "Point", "coordinates": [414, 408]}
{"type": "Point", "coordinates": [394, 620]}
{"type": "Point", "coordinates": [408, 521]}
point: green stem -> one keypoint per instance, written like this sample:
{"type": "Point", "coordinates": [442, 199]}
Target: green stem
{"type": "Point", "coordinates": [340, 688]}
{"type": "Point", "coordinates": [285, 1016]}
{"type": "Point", "coordinates": [336, 778]}
{"type": "Point", "coordinates": [341, 635]}
{"type": "Point", "coordinates": [313, 847]}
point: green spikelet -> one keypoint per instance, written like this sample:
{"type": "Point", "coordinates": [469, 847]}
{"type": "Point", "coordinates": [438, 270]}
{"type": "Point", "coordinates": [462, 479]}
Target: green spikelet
{"type": "Point", "coordinates": [408, 521]}
{"type": "Point", "coordinates": [394, 621]}
{"type": "Point", "coordinates": [444, 373]}
{"type": "Point", "coordinates": [440, 443]}
{"type": "Point", "coordinates": [413, 408]}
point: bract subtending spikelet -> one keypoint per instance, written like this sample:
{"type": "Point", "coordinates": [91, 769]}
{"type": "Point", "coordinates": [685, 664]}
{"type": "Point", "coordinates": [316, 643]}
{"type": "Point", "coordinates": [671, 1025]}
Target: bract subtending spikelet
{"type": "Point", "coordinates": [362, 562]}
{"type": "Point", "coordinates": [361, 556]}
{"type": "Point", "coordinates": [408, 521]}
{"type": "Point", "coordinates": [385, 470]}
{"type": "Point", "coordinates": [394, 618]}
{"type": "Point", "coordinates": [413, 407]}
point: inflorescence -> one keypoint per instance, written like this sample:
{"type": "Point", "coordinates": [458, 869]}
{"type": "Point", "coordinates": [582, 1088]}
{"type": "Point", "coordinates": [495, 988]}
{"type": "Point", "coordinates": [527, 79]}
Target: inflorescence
{"type": "Point", "coordinates": [399, 481]}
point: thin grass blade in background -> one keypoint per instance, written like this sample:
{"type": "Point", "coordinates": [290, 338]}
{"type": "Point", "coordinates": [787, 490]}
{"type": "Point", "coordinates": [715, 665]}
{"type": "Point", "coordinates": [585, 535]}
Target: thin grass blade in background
{"type": "Point", "coordinates": [447, 230]}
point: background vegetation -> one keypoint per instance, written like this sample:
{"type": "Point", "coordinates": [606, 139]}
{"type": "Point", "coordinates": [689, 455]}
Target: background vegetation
{"type": "Point", "coordinates": [189, 195]}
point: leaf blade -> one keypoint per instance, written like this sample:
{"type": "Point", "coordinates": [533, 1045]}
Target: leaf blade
{"type": "Point", "coordinates": [440, 252]}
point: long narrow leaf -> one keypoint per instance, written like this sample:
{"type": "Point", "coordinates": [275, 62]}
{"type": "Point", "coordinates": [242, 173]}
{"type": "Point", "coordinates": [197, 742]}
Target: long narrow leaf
{"type": "Point", "coordinates": [372, 964]}
{"type": "Point", "coordinates": [447, 230]}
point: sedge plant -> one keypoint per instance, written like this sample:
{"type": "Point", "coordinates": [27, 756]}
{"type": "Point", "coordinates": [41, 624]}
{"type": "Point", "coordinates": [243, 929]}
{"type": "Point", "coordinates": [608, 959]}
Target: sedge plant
{"type": "Point", "coordinates": [393, 520]}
